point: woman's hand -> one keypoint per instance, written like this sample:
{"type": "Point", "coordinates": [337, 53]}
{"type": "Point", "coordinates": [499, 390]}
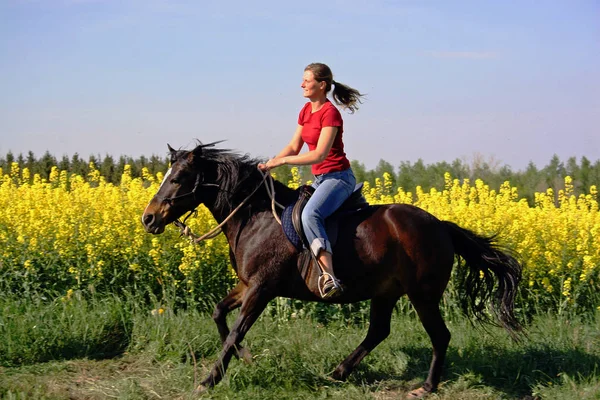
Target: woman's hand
{"type": "Point", "coordinates": [272, 163]}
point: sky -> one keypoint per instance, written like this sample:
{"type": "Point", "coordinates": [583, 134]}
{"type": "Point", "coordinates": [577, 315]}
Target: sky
{"type": "Point", "coordinates": [511, 82]}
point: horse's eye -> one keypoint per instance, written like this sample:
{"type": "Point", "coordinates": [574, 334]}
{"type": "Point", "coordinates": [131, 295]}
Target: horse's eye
{"type": "Point", "coordinates": [175, 181]}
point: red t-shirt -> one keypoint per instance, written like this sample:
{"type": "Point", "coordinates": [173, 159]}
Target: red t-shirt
{"type": "Point", "coordinates": [312, 123]}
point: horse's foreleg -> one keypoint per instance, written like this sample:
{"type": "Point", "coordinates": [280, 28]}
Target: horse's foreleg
{"type": "Point", "coordinates": [379, 329]}
{"type": "Point", "coordinates": [232, 301]}
{"type": "Point", "coordinates": [431, 318]}
{"type": "Point", "coordinates": [254, 302]}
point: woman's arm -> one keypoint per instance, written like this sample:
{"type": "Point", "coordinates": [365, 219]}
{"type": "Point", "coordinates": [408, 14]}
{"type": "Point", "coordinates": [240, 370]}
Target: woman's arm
{"type": "Point", "coordinates": [315, 156]}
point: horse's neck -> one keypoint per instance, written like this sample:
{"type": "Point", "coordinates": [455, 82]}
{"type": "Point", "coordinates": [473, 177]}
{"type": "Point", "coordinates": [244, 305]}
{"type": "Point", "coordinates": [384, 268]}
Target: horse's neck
{"type": "Point", "coordinates": [235, 222]}
{"type": "Point", "coordinates": [257, 203]}
{"type": "Point", "coordinates": [283, 194]}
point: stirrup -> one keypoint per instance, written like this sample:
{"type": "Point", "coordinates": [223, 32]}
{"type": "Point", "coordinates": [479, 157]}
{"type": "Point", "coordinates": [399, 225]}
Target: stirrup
{"type": "Point", "coordinates": [329, 286]}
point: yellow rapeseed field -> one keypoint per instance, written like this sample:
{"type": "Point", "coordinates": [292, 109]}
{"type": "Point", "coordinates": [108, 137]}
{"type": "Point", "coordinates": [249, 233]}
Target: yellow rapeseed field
{"type": "Point", "coordinates": [74, 232]}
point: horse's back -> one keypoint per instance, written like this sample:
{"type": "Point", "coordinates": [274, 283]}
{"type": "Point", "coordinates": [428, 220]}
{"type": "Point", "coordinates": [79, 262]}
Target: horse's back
{"type": "Point", "coordinates": [393, 223]}
{"type": "Point", "coordinates": [393, 244]}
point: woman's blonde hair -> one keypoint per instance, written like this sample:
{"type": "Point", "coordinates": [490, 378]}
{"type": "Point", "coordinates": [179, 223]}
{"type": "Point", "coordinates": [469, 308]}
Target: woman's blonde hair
{"type": "Point", "coordinates": [342, 94]}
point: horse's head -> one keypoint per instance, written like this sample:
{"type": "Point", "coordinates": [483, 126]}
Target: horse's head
{"type": "Point", "coordinates": [180, 191]}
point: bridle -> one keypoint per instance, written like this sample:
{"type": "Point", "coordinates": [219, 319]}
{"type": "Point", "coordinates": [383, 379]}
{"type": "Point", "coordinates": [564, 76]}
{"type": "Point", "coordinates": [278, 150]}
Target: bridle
{"type": "Point", "coordinates": [199, 182]}
{"type": "Point", "coordinates": [170, 200]}
{"type": "Point", "coordinates": [185, 230]}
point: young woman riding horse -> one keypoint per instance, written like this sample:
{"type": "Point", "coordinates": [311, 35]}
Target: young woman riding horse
{"type": "Point", "coordinates": [388, 251]}
{"type": "Point", "coordinates": [321, 127]}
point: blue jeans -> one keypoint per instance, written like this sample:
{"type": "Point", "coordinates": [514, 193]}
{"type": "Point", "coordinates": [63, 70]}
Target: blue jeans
{"type": "Point", "coordinates": [332, 190]}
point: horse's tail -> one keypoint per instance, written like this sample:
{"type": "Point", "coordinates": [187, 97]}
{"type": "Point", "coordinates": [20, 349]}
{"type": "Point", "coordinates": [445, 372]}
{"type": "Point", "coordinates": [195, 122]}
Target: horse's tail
{"type": "Point", "coordinates": [486, 259]}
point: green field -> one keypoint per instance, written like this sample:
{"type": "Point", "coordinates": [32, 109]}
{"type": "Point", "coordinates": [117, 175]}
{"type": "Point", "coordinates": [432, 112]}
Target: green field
{"type": "Point", "coordinates": [111, 347]}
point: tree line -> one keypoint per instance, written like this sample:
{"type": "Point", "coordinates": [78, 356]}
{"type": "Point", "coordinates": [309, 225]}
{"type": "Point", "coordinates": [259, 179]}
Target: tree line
{"type": "Point", "coordinates": [407, 175]}
{"type": "Point", "coordinates": [110, 168]}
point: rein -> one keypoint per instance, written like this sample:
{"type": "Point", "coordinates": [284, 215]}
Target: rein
{"type": "Point", "coordinates": [197, 184]}
{"type": "Point", "coordinates": [186, 231]}
{"type": "Point", "coordinates": [270, 187]}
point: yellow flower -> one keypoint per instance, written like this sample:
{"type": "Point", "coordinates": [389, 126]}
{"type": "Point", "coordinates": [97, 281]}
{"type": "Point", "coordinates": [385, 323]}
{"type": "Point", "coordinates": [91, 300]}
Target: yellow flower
{"type": "Point", "coordinates": [158, 311]}
{"type": "Point", "coordinates": [91, 229]}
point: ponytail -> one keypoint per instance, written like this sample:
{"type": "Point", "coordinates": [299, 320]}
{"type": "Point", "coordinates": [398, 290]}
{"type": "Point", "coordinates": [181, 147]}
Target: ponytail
{"type": "Point", "coordinates": [346, 96]}
{"type": "Point", "coordinates": [343, 95]}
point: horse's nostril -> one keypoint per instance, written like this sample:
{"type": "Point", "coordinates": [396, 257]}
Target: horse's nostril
{"type": "Point", "coordinates": [148, 219]}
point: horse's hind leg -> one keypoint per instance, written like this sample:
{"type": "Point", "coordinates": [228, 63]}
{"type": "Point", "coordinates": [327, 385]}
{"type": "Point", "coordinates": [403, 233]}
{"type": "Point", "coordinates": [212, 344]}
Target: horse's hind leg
{"type": "Point", "coordinates": [232, 301]}
{"type": "Point", "coordinates": [379, 329]}
{"type": "Point", "coordinates": [431, 318]}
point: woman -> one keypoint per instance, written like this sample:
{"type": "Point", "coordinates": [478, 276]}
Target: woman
{"type": "Point", "coordinates": [320, 126]}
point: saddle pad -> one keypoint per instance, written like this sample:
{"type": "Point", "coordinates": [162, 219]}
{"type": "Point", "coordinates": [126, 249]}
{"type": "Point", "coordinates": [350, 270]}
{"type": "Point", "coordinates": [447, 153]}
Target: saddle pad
{"type": "Point", "coordinates": [331, 227]}
{"type": "Point", "coordinates": [355, 203]}
{"type": "Point", "coordinates": [288, 227]}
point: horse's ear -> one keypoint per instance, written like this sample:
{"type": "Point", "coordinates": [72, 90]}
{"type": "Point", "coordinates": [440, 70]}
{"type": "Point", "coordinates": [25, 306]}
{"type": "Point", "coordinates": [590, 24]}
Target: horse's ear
{"type": "Point", "coordinates": [173, 153]}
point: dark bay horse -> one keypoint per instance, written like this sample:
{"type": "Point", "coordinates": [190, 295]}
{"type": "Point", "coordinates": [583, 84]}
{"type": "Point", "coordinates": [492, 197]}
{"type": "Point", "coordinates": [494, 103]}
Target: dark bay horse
{"type": "Point", "coordinates": [381, 254]}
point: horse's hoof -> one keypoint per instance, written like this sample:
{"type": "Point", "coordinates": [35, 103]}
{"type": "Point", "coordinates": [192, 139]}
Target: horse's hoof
{"type": "Point", "coordinates": [245, 355]}
{"type": "Point", "coordinates": [205, 386]}
{"type": "Point", "coordinates": [339, 375]}
{"type": "Point", "coordinates": [417, 393]}
{"type": "Point", "coordinates": [336, 377]}
{"type": "Point", "coordinates": [332, 379]}
{"type": "Point", "coordinates": [201, 389]}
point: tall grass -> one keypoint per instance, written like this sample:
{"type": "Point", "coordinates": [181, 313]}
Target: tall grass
{"type": "Point", "coordinates": [112, 347]}
{"type": "Point", "coordinates": [34, 331]}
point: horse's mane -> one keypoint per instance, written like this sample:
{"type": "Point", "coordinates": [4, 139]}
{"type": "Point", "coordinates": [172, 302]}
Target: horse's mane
{"type": "Point", "coordinates": [237, 176]}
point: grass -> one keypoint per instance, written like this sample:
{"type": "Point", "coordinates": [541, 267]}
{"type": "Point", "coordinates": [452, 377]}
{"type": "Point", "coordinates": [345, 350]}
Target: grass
{"type": "Point", "coordinates": [112, 348]}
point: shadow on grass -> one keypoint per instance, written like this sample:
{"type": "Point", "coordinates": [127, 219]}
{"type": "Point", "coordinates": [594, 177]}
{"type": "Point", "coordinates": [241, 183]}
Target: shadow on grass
{"type": "Point", "coordinates": [513, 372]}
{"type": "Point", "coordinates": [115, 341]}
{"type": "Point", "coordinates": [112, 341]}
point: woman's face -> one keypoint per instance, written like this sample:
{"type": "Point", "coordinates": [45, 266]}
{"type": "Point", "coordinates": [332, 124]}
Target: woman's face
{"type": "Point", "coordinates": [312, 88]}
